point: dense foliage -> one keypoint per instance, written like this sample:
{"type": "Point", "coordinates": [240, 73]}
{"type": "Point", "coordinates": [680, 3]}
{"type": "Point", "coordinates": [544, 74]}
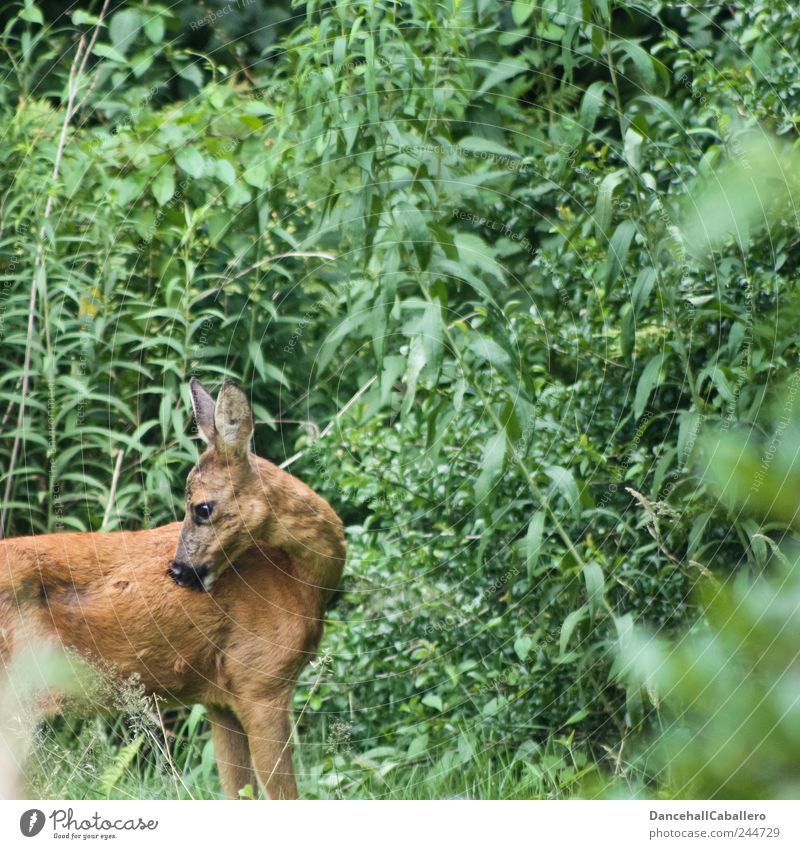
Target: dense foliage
{"type": "Point", "coordinates": [541, 248]}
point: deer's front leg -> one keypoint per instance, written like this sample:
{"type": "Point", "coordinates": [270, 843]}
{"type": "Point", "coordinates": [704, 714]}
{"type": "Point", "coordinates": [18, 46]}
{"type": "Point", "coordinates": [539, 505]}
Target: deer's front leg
{"type": "Point", "coordinates": [232, 752]}
{"type": "Point", "coordinates": [267, 726]}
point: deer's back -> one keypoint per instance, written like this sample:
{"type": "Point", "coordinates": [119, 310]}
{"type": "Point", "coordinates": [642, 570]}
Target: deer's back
{"type": "Point", "coordinates": [108, 596]}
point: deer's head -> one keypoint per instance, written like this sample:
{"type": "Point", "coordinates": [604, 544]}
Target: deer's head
{"type": "Point", "coordinates": [225, 503]}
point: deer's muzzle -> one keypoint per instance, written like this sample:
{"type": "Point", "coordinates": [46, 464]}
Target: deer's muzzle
{"type": "Point", "coordinates": [192, 577]}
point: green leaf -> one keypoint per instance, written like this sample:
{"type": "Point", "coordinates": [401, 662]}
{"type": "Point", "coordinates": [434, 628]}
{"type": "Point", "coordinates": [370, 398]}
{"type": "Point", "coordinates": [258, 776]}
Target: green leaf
{"type": "Point", "coordinates": [339, 50]}
{"type": "Point", "coordinates": [510, 419]}
{"type": "Point", "coordinates": [696, 533]}
{"type": "Point", "coordinates": [163, 186]}
{"type": "Point", "coordinates": [618, 248]}
{"type": "Point", "coordinates": [31, 13]}
{"type": "Point", "coordinates": [369, 80]}
{"type": "Point", "coordinates": [418, 746]}
{"type": "Point", "coordinates": [491, 465]}
{"type": "Point", "coordinates": [533, 542]}
{"type": "Point", "coordinates": [590, 105]}
{"type": "Point", "coordinates": [257, 175]}
{"type": "Point", "coordinates": [224, 171]}
{"type": "Point", "coordinates": [433, 701]}
{"type": "Point", "coordinates": [633, 148]}
{"type": "Point", "coordinates": [688, 427]}
{"type": "Point", "coordinates": [522, 646]}
{"type": "Point", "coordinates": [493, 706]}
{"type": "Point", "coordinates": [578, 716]}
{"type": "Point", "coordinates": [642, 288]}
{"type": "Point", "coordinates": [432, 333]}
{"type": "Point", "coordinates": [192, 73]}
{"type": "Point", "coordinates": [106, 51]}
{"type": "Point", "coordinates": [486, 348]}
{"type": "Point", "coordinates": [498, 73]}
{"type": "Point", "coordinates": [477, 144]}
{"type": "Point", "coordinates": [569, 625]}
{"type": "Point", "coordinates": [755, 536]}
{"type": "Point", "coordinates": [466, 751]}
{"type": "Point", "coordinates": [190, 160]}
{"type": "Point", "coordinates": [595, 584]}
{"type": "Point", "coordinates": [165, 413]}
{"type": "Point", "coordinates": [154, 28]}
{"type": "Point", "coordinates": [605, 198]}
{"type": "Point", "coordinates": [416, 229]}
{"type": "Point", "coordinates": [647, 382]}
{"type": "Point", "coordinates": [115, 771]}
{"type": "Point", "coordinates": [123, 29]}
{"type": "Point", "coordinates": [457, 271]}
{"type": "Point", "coordinates": [643, 62]}
{"type": "Point", "coordinates": [625, 636]}
{"type": "Point", "coordinates": [474, 252]}
{"type": "Point", "coordinates": [416, 363]}
{"type": "Point", "coordinates": [80, 16]}
{"type": "Point", "coordinates": [627, 332]}
{"type": "Point", "coordinates": [564, 481]}
{"type": "Point", "coordinates": [521, 10]}
{"type": "Point", "coordinates": [661, 105]}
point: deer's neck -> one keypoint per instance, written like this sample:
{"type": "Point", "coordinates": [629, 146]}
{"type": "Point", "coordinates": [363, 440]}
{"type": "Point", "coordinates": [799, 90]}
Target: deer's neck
{"type": "Point", "coordinates": [306, 527]}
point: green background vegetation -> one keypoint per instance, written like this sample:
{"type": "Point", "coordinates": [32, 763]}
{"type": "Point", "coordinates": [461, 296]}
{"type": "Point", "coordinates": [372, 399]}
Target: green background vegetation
{"type": "Point", "coordinates": [555, 263]}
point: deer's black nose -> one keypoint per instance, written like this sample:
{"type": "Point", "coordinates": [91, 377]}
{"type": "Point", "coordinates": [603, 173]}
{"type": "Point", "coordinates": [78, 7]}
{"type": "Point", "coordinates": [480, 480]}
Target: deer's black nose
{"type": "Point", "coordinates": [188, 576]}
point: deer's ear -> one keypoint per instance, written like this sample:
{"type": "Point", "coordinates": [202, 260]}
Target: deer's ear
{"type": "Point", "coordinates": [203, 406]}
{"type": "Point", "coordinates": [233, 419]}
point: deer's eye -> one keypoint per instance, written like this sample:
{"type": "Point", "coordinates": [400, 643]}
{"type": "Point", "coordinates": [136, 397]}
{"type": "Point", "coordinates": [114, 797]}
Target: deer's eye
{"type": "Point", "coordinates": [202, 512]}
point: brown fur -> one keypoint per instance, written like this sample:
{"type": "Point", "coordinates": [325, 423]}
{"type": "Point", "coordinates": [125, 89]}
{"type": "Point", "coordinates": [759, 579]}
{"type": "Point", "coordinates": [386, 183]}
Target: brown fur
{"type": "Point", "coordinates": [238, 649]}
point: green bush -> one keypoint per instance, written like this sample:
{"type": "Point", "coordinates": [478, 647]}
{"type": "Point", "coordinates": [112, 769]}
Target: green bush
{"type": "Point", "coordinates": [543, 247]}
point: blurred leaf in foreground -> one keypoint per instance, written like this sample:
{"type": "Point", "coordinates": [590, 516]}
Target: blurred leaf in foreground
{"type": "Point", "coordinates": [759, 475]}
{"type": "Point", "coordinates": [750, 191]}
{"type": "Point", "coordinates": [731, 696]}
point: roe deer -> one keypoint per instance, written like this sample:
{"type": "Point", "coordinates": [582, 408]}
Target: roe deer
{"type": "Point", "coordinates": [122, 597]}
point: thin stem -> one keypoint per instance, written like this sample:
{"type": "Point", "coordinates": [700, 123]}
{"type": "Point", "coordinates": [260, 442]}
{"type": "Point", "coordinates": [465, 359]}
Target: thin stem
{"type": "Point", "coordinates": [75, 73]}
{"type": "Point", "coordinates": [86, 57]}
{"type": "Point", "coordinates": [515, 454]}
{"type": "Point", "coordinates": [638, 203]}
{"type": "Point", "coordinates": [112, 494]}
{"type": "Point", "coordinates": [329, 427]}
{"type": "Point", "coordinates": [176, 776]}
{"type": "Point", "coordinates": [274, 258]}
